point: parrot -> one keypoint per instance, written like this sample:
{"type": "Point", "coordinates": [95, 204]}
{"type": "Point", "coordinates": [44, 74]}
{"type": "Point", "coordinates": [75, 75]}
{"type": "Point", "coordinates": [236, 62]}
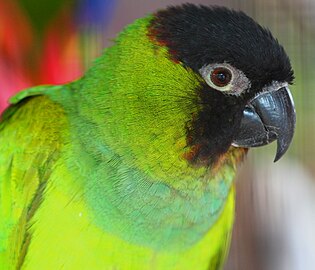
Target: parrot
{"type": "Point", "coordinates": [132, 166]}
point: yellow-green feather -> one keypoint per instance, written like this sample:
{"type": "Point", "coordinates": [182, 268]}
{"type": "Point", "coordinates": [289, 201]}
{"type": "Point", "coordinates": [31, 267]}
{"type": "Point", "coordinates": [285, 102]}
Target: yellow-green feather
{"type": "Point", "coordinates": [93, 174]}
{"type": "Point", "coordinates": [29, 146]}
{"type": "Point", "coordinates": [45, 224]}
{"type": "Point", "coordinates": [74, 242]}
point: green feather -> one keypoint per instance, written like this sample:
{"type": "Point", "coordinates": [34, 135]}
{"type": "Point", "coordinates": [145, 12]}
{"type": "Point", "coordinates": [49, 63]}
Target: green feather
{"type": "Point", "coordinates": [93, 174]}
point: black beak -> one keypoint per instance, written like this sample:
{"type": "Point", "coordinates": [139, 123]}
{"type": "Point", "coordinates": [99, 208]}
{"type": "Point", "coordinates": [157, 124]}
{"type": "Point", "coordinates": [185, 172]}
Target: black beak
{"type": "Point", "coordinates": [269, 116]}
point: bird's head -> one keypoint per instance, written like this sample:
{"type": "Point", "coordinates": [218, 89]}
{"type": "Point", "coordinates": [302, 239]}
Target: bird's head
{"type": "Point", "coordinates": [191, 82]}
{"type": "Point", "coordinates": [244, 73]}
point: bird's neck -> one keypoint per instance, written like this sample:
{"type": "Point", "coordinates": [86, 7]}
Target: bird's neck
{"type": "Point", "coordinates": [138, 102]}
{"type": "Point", "coordinates": [141, 209]}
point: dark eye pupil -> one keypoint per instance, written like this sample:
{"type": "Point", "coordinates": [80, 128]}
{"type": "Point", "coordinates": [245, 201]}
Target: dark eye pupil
{"type": "Point", "coordinates": [221, 76]}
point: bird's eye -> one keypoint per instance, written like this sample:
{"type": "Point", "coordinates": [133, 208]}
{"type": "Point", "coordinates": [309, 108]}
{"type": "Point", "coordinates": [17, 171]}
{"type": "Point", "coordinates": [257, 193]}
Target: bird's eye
{"type": "Point", "coordinates": [221, 76]}
{"type": "Point", "coordinates": [225, 78]}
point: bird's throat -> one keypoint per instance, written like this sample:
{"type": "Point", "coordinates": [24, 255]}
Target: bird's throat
{"type": "Point", "coordinates": [130, 204]}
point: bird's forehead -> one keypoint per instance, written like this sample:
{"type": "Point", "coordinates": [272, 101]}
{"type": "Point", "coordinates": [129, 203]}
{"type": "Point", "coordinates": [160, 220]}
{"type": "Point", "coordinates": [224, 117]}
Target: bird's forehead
{"type": "Point", "coordinates": [199, 35]}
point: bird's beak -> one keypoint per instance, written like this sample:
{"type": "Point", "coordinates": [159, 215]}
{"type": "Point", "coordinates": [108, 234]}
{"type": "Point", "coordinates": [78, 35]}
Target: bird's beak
{"type": "Point", "coordinates": [267, 117]}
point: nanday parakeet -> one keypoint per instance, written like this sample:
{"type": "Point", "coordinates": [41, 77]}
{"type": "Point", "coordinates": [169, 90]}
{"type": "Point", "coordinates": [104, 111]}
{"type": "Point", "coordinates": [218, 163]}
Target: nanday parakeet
{"type": "Point", "coordinates": [132, 165]}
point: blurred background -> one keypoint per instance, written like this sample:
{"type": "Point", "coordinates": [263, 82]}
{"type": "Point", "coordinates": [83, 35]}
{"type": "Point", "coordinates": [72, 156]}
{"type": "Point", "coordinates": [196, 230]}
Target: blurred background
{"type": "Point", "coordinates": [55, 41]}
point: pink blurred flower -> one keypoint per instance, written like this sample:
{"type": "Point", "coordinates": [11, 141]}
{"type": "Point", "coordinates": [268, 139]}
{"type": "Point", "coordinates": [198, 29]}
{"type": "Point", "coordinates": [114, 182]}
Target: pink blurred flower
{"type": "Point", "coordinates": [56, 57]}
{"type": "Point", "coordinates": [15, 44]}
{"type": "Point", "coordinates": [61, 60]}
{"type": "Point", "coordinates": [23, 64]}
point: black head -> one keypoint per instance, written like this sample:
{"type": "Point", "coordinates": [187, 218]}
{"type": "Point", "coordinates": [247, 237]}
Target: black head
{"type": "Point", "coordinates": [197, 36]}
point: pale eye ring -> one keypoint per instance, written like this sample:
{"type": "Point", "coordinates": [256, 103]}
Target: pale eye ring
{"type": "Point", "coordinates": [225, 78]}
